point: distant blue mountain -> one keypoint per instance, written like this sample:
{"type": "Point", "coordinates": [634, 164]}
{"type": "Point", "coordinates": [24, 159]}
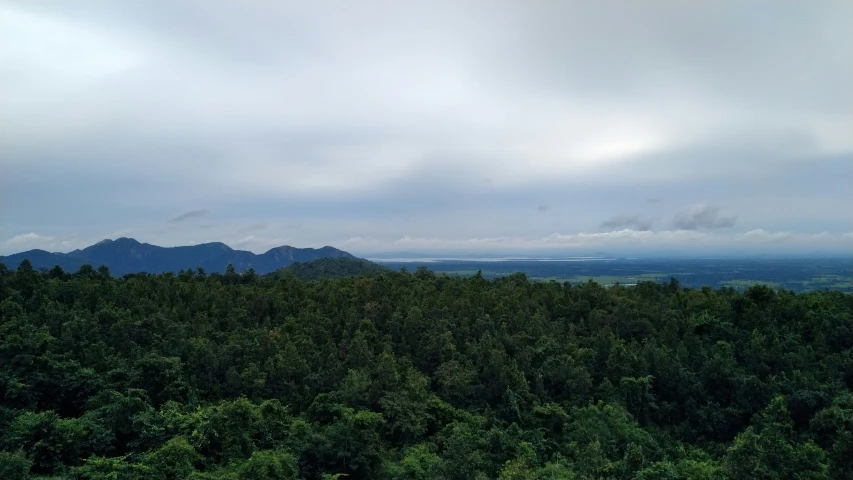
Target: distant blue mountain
{"type": "Point", "coordinates": [126, 255]}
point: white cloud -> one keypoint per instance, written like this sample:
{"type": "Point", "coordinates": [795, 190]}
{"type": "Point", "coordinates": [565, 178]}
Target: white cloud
{"type": "Point", "coordinates": [760, 236]}
{"type": "Point", "coordinates": [28, 239]}
{"type": "Point", "coordinates": [679, 241]}
{"type": "Point", "coordinates": [630, 220]}
{"type": "Point", "coordinates": [47, 46]}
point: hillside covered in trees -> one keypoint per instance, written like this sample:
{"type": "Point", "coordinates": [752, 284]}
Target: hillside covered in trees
{"type": "Point", "coordinates": [334, 268]}
{"type": "Point", "coordinates": [127, 255]}
{"type": "Point", "coordinates": [418, 376]}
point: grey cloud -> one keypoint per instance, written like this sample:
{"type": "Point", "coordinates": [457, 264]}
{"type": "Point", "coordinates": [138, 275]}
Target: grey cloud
{"type": "Point", "coordinates": [653, 200]}
{"type": "Point", "coordinates": [543, 208]}
{"type": "Point", "coordinates": [633, 221]}
{"type": "Point", "coordinates": [739, 66]}
{"type": "Point", "coordinates": [702, 215]}
{"type": "Point", "coordinates": [323, 114]}
{"type": "Point", "coordinates": [190, 214]}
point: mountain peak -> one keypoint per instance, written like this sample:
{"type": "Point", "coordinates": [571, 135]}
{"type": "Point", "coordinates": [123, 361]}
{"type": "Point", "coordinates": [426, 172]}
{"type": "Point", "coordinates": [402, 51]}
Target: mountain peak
{"type": "Point", "coordinates": [119, 241]}
{"type": "Point", "coordinates": [128, 241]}
{"type": "Point", "coordinates": [282, 248]}
{"type": "Point", "coordinates": [217, 245]}
{"type": "Point", "coordinates": [127, 255]}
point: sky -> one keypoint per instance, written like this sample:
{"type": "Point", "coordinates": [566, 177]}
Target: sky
{"type": "Point", "coordinates": [468, 127]}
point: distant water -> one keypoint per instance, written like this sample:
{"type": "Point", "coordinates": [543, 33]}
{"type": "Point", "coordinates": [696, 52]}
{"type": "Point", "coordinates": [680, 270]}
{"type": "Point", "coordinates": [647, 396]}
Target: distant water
{"type": "Point", "coordinates": [487, 259]}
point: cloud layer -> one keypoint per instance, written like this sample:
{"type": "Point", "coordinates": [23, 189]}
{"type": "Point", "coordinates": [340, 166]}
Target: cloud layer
{"type": "Point", "coordinates": [702, 215]}
{"type": "Point", "coordinates": [635, 221]}
{"type": "Point", "coordinates": [190, 214]}
{"type": "Point", "coordinates": [617, 242]}
{"type": "Point", "coordinates": [429, 119]}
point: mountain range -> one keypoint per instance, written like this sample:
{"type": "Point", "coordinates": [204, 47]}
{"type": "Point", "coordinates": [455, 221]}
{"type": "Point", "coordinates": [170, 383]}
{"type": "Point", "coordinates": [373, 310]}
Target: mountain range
{"type": "Point", "coordinates": [126, 255]}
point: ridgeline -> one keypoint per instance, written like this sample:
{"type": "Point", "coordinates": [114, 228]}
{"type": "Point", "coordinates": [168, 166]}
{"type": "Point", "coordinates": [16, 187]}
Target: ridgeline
{"type": "Point", "coordinates": [126, 255]}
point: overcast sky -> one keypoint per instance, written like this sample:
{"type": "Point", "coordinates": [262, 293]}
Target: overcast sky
{"type": "Point", "coordinates": [437, 126]}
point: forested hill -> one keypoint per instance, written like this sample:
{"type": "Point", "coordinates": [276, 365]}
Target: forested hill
{"type": "Point", "coordinates": [334, 268]}
{"type": "Point", "coordinates": [418, 376]}
{"type": "Point", "coordinates": [126, 255]}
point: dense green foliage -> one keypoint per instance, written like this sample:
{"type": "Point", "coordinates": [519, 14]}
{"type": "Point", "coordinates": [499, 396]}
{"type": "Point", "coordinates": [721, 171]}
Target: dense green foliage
{"type": "Point", "coordinates": [334, 268]}
{"type": "Point", "coordinates": [418, 376]}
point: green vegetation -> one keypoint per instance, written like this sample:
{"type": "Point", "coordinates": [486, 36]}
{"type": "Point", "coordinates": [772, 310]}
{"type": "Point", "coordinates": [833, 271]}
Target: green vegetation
{"type": "Point", "coordinates": [418, 376]}
{"type": "Point", "coordinates": [334, 268]}
{"type": "Point", "coordinates": [740, 284]}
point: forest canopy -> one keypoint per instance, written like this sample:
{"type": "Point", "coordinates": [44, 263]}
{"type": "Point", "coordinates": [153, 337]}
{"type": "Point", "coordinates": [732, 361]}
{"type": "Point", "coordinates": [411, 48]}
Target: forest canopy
{"type": "Point", "coordinates": [398, 375]}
